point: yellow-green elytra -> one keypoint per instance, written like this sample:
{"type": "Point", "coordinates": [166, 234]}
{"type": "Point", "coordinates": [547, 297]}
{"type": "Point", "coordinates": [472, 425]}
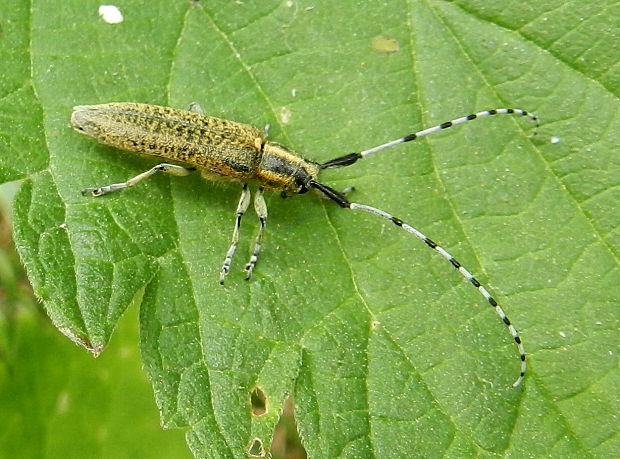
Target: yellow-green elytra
{"type": "Point", "coordinates": [226, 150]}
{"type": "Point", "coordinates": [220, 149]}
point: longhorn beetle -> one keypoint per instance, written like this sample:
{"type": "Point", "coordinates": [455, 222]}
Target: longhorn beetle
{"type": "Point", "coordinates": [225, 150]}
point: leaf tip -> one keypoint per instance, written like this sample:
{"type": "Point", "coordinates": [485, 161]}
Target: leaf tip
{"type": "Point", "coordinates": [93, 348]}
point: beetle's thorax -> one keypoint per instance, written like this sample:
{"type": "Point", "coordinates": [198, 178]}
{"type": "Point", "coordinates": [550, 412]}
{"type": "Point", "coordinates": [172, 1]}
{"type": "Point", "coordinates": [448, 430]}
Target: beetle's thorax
{"type": "Point", "coordinates": [281, 169]}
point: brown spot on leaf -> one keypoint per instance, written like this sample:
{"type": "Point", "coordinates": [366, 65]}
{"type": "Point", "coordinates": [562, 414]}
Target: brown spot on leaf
{"type": "Point", "coordinates": [385, 45]}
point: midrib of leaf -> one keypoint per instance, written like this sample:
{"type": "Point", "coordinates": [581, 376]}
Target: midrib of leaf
{"type": "Point", "coordinates": [238, 55]}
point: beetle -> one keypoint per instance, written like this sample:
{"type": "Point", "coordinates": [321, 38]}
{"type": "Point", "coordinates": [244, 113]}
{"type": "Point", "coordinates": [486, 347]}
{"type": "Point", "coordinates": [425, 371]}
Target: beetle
{"type": "Point", "coordinates": [227, 150]}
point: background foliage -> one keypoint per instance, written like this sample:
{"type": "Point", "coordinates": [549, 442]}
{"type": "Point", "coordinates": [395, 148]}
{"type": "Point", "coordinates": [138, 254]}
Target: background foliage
{"type": "Point", "coordinates": [387, 351]}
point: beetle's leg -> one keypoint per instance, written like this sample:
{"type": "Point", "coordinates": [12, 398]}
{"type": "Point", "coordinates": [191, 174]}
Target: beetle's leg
{"type": "Point", "coordinates": [194, 107]}
{"type": "Point", "coordinates": [163, 167]}
{"type": "Point", "coordinates": [244, 202]}
{"type": "Point", "coordinates": [261, 210]}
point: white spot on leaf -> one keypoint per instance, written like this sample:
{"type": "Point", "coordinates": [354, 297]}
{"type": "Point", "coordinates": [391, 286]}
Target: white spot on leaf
{"type": "Point", "coordinates": [110, 14]}
{"type": "Point", "coordinates": [285, 115]}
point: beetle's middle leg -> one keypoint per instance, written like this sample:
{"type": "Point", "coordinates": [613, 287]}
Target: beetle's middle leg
{"type": "Point", "coordinates": [244, 202]}
{"type": "Point", "coordinates": [261, 210]}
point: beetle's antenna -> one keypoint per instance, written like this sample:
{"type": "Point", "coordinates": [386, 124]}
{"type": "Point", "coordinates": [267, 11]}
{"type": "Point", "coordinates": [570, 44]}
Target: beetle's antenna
{"type": "Point", "coordinates": [351, 158]}
{"type": "Point", "coordinates": [340, 199]}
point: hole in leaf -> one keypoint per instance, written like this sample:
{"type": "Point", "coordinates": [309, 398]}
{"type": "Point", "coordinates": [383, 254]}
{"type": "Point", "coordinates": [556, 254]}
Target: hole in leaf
{"type": "Point", "coordinates": [255, 448]}
{"type": "Point", "coordinates": [286, 442]}
{"type": "Point", "coordinates": [258, 400]}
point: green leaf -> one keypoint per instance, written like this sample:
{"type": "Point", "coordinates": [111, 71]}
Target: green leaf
{"type": "Point", "coordinates": [387, 351]}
